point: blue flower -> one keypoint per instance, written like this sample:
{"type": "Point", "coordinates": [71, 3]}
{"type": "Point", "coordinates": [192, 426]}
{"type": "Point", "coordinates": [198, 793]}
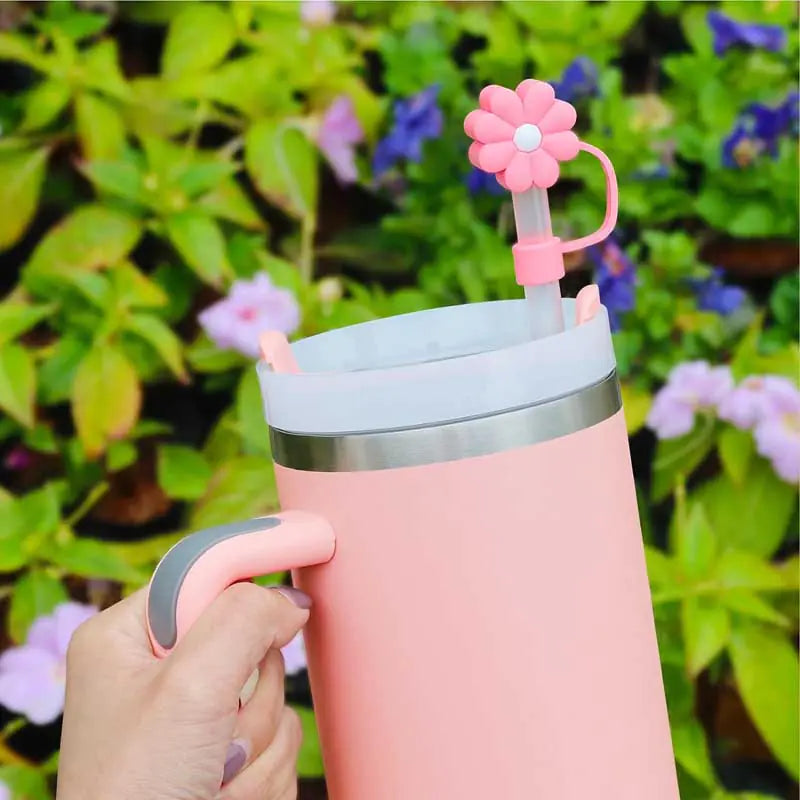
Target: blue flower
{"type": "Point", "coordinates": [615, 276]}
{"type": "Point", "coordinates": [579, 80]}
{"type": "Point", "coordinates": [729, 32]}
{"type": "Point", "coordinates": [714, 295]}
{"type": "Point", "coordinates": [479, 182]}
{"type": "Point", "coordinates": [759, 129]}
{"type": "Point", "coordinates": [416, 119]}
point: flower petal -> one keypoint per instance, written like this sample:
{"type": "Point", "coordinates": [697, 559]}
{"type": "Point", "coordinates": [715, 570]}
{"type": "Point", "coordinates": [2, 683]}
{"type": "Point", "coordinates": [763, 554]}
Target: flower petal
{"type": "Point", "coordinates": [537, 97]}
{"type": "Point", "coordinates": [560, 116]}
{"type": "Point", "coordinates": [496, 156]}
{"type": "Point", "coordinates": [486, 127]}
{"type": "Point", "coordinates": [518, 173]}
{"type": "Point", "coordinates": [474, 152]}
{"type": "Point", "coordinates": [562, 145]}
{"type": "Point", "coordinates": [502, 102]}
{"type": "Point", "coordinates": [544, 169]}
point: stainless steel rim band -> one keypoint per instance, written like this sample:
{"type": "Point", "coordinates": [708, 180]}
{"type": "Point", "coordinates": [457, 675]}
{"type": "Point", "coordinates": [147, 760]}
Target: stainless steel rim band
{"type": "Point", "coordinates": [479, 436]}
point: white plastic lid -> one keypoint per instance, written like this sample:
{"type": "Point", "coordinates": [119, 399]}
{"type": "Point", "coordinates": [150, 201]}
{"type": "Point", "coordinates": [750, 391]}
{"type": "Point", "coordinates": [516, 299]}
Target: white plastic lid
{"type": "Point", "coordinates": [432, 367]}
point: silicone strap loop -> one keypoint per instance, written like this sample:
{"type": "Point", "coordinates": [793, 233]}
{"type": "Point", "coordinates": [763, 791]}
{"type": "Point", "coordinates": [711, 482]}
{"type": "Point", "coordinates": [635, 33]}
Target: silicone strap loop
{"type": "Point", "coordinates": [612, 204]}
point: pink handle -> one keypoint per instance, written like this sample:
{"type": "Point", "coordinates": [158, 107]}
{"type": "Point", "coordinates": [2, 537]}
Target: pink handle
{"type": "Point", "coordinates": [201, 566]}
{"type": "Point", "coordinates": [612, 204]}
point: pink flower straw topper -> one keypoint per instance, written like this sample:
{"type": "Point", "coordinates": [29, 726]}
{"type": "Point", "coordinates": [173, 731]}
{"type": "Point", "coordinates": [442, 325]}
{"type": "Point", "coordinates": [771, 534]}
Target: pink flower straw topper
{"type": "Point", "coordinates": [520, 136]}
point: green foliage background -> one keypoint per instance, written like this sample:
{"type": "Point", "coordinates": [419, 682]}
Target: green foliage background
{"type": "Point", "coordinates": [153, 153]}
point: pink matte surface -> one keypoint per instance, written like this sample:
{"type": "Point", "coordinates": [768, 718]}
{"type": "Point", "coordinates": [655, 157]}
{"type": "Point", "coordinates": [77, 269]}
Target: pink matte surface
{"type": "Point", "coordinates": [484, 631]}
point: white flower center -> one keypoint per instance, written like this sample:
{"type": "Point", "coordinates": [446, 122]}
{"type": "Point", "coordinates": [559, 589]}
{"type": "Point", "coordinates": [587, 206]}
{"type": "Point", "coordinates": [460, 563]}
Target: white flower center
{"type": "Point", "coordinates": [527, 137]}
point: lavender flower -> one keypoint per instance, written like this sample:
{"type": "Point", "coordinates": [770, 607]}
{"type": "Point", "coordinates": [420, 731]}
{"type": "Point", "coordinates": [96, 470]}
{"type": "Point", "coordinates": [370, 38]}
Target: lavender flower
{"type": "Point", "coordinates": [250, 308]}
{"type": "Point", "coordinates": [759, 129]}
{"type": "Point", "coordinates": [33, 676]}
{"type": "Point", "coordinates": [777, 434]}
{"type": "Point", "coordinates": [615, 276]}
{"type": "Point", "coordinates": [578, 81]}
{"type": "Point", "coordinates": [479, 181]}
{"type": "Point", "coordinates": [730, 32]}
{"type": "Point", "coordinates": [338, 134]}
{"type": "Point", "coordinates": [714, 295]}
{"type": "Point", "coordinates": [5, 792]}
{"type": "Point", "coordinates": [317, 12]}
{"type": "Point", "coordinates": [416, 119]}
{"type": "Point", "coordinates": [294, 655]}
{"type": "Point", "coordinates": [691, 387]}
{"type": "Point", "coordinates": [756, 398]}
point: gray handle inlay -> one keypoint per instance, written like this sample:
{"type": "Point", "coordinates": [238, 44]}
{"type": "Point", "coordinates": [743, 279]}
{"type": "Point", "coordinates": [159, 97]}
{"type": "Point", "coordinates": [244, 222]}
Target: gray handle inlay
{"type": "Point", "coordinates": [165, 587]}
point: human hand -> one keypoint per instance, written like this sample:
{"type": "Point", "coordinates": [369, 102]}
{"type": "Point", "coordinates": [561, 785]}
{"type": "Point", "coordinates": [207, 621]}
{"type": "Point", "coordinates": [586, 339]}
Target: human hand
{"type": "Point", "coordinates": [141, 728]}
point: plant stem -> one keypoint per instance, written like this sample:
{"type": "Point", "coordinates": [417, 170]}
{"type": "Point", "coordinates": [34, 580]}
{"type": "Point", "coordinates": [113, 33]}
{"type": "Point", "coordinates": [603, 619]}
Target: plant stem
{"type": "Point", "coordinates": [83, 509]}
{"type": "Point", "coordinates": [11, 728]}
{"type": "Point", "coordinates": [308, 228]}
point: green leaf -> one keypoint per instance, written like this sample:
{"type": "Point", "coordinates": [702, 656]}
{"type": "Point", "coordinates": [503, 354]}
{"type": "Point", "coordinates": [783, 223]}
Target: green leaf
{"type": "Point", "coordinates": [16, 47]}
{"type": "Point", "coordinates": [118, 178]}
{"type": "Point", "coordinates": [747, 604]}
{"type": "Point", "coordinates": [100, 70]}
{"type": "Point", "coordinates": [12, 535]}
{"type": "Point", "coordinates": [35, 593]}
{"type": "Point", "coordinates": [42, 439]}
{"type": "Point", "coordinates": [17, 383]}
{"type": "Point", "coordinates": [283, 164]}
{"type": "Point", "coordinates": [106, 398]}
{"type": "Point", "coordinates": [120, 455]}
{"type": "Point", "coordinates": [309, 759]}
{"type": "Point", "coordinates": [198, 38]}
{"type": "Point", "coordinates": [250, 413]}
{"type": "Point", "coordinates": [21, 176]}
{"type": "Point", "coordinates": [90, 558]}
{"type": "Point", "coordinates": [44, 103]}
{"type": "Point", "coordinates": [736, 448]}
{"type": "Point", "coordinates": [676, 459]}
{"type": "Point", "coordinates": [90, 238]}
{"type": "Point", "coordinates": [100, 128]}
{"type": "Point", "coordinates": [201, 244]}
{"type": "Point", "coordinates": [135, 289]}
{"type": "Point", "coordinates": [661, 569]}
{"type": "Point", "coordinates": [766, 670]}
{"type": "Point", "coordinates": [25, 524]}
{"type": "Point", "coordinates": [17, 317]}
{"type": "Point", "coordinates": [57, 373]}
{"type": "Point", "coordinates": [691, 751]}
{"type": "Point", "coordinates": [696, 544]}
{"type": "Point", "coordinates": [162, 339]}
{"type": "Point", "coordinates": [229, 202]}
{"type": "Point", "coordinates": [183, 473]}
{"type": "Point", "coordinates": [205, 356]}
{"type": "Point", "coordinates": [205, 175]}
{"type": "Point", "coordinates": [706, 632]}
{"type": "Point", "coordinates": [25, 783]}
{"type": "Point", "coordinates": [241, 488]}
{"type": "Point", "coordinates": [636, 403]}
{"type": "Point", "coordinates": [737, 569]}
{"type": "Point", "coordinates": [754, 519]}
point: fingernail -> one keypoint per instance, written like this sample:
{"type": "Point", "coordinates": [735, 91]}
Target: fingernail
{"type": "Point", "coordinates": [249, 688]}
{"type": "Point", "coordinates": [295, 596]}
{"type": "Point", "coordinates": [234, 760]}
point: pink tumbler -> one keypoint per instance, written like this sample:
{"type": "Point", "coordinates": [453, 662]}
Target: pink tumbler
{"type": "Point", "coordinates": [460, 505]}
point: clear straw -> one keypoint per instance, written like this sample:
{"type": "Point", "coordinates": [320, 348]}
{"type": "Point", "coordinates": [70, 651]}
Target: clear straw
{"type": "Point", "coordinates": [532, 217]}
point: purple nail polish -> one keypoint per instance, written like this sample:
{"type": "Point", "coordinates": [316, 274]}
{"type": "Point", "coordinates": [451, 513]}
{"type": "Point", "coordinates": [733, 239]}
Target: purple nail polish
{"type": "Point", "coordinates": [295, 596]}
{"type": "Point", "coordinates": [234, 760]}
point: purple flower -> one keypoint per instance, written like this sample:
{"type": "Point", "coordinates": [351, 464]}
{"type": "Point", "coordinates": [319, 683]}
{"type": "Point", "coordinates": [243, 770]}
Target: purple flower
{"type": "Point", "coordinates": [759, 129]}
{"type": "Point", "coordinates": [18, 458]}
{"type": "Point", "coordinates": [729, 32]}
{"type": "Point", "coordinates": [691, 387]}
{"type": "Point", "coordinates": [317, 12]}
{"type": "Point", "coordinates": [415, 119]}
{"type": "Point", "coordinates": [251, 308]}
{"type": "Point", "coordinates": [756, 398]}
{"type": "Point", "coordinates": [294, 655]}
{"type": "Point", "coordinates": [338, 134]}
{"type": "Point", "coordinates": [5, 792]}
{"type": "Point", "coordinates": [714, 295]}
{"type": "Point", "coordinates": [579, 80]}
{"type": "Point", "coordinates": [33, 676]}
{"type": "Point", "coordinates": [777, 434]}
{"type": "Point", "coordinates": [615, 276]}
{"type": "Point", "coordinates": [479, 181]}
